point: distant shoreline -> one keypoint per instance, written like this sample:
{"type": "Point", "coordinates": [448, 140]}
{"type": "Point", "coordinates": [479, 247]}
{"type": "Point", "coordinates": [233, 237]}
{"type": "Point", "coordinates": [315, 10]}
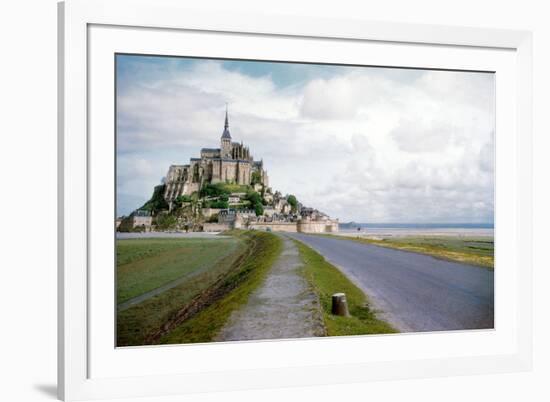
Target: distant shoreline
{"type": "Point", "coordinates": [416, 231]}
{"type": "Point", "coordinates": [396, 225]}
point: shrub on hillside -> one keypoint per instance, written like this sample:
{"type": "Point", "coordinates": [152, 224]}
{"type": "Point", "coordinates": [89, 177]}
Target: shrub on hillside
{"type": "Point", "coordinates": [255, 200]}
{"type": "Point", "coordinates": [219, 204]}
{"type": "Point", "coordinates": [166, 221]}
{"type": "Point", "coordinates": [157, 202]}
{"type": "Point", "coordinates": [291, 199]}
{"type": "Point", "coordinates": [259, 209]}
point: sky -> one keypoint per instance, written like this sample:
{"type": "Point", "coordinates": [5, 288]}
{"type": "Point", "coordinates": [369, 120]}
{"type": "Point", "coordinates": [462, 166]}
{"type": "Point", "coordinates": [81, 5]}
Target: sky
{"type": "Point", "coordinates": [362, 144]}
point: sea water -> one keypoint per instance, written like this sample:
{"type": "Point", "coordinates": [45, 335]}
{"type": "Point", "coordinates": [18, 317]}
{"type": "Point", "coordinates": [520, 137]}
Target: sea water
{"type": "Point", "coordinates": [418, 229]}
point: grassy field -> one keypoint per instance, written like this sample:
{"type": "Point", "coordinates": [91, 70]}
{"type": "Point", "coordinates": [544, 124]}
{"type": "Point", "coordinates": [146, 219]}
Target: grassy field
{"type": "Point", "coordinates": [327, 280]}
{"type": "Point", "coordinates": [469, 250]}
{"type": "Point", "coordinates": [234, 291]}
{"type": "Point", "coordinates": [145, 264]}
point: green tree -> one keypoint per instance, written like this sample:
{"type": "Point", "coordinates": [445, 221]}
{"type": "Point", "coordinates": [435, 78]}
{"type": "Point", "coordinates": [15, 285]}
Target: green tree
{"type": "Point", "coordinates": [259, 209]}
{"type": "Point", "coordinates": [291, 199]}
{"type": "Point", "coordinates": [178, 202]}
{"type": "Point", "coordinates": [255, 200]}
{"type": "Point", "coordinates": [166, 221]}
{"type": "Point", "coordinates": [214, 190]}
{"type": "Point", "coordinates": [253, 197]}
{"type": "Point", "coordinates": [183, 198]}
{"type": "Point", "coordinates": [219, 204]}
{"type": "Point", "coordinates": [256, 178]}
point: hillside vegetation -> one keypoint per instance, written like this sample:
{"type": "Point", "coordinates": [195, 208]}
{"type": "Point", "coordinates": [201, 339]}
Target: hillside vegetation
{"type": "Point", "coordinates": [157, 202]}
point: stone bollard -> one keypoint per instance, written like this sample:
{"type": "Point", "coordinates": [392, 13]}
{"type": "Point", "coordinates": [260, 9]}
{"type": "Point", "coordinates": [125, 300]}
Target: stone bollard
{"type": "Point", "coordinates": [340, 304]}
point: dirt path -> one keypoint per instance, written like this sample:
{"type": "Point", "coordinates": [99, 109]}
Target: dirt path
{"type": "Point", "coordinates": [284, 306]}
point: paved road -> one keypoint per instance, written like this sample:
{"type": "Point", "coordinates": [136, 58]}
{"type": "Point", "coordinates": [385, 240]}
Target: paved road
{"type": "Point", "coordinates": [414, 292]}
{"type": "Point", "coordinates": [284, 306]}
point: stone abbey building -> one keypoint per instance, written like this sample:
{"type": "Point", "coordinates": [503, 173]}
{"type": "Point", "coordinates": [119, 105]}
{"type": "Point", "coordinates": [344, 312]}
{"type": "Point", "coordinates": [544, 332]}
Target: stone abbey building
{"type": "Point", "coordinates": [231, 163]}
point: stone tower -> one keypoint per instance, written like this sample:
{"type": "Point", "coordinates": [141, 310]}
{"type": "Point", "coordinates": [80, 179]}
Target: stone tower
{"type": "Point", "coordinates": [225, 147]}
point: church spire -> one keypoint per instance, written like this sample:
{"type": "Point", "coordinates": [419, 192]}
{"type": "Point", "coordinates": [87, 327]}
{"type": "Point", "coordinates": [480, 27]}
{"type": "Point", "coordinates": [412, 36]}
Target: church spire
{"type": "Point", "coordinates": [226, 133]}
{"type": "Point", "coordinates": [226, 117]}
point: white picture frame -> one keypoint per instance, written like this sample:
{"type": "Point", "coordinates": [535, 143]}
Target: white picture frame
{"type": "Point", "coordinates": [89, 368]}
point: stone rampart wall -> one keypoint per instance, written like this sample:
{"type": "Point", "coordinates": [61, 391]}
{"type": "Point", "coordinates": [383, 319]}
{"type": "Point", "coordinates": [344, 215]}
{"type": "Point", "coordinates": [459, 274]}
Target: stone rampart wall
{"type": "Point", "coordinates": [274, 226]}
{"type": "Point", "coordinates": [318, 227]}
{"type": "Point", "coordinates": [215, 227]}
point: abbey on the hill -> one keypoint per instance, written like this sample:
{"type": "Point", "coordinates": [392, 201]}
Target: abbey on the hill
{"type": "Point", "coordinates": [223, 189]}
{"type": "Point", "coordinates": [231, 163]}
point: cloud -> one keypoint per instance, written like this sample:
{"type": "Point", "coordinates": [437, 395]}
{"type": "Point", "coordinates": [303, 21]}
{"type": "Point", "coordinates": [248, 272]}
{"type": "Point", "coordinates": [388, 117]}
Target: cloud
{"type": "Point", "coordinates": [422, 136]}
{"type": "Point", "coordinates": [361, 144]}
{"type": "Point", "coordinates": [329, 99]}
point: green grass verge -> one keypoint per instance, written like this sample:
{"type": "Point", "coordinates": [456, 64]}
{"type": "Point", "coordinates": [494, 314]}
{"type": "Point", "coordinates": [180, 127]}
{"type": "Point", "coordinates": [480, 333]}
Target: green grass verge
{"type": "Point", "coordinates": [469, 250]}
{"type": "Point", "coordinates": [204, 326]}
{"type": "Point", "coordinates": [326, 280]}
{"type": "Point", "coordinates": [136, 323]}
{"type": "Point", "coordinates": [146, 264]}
